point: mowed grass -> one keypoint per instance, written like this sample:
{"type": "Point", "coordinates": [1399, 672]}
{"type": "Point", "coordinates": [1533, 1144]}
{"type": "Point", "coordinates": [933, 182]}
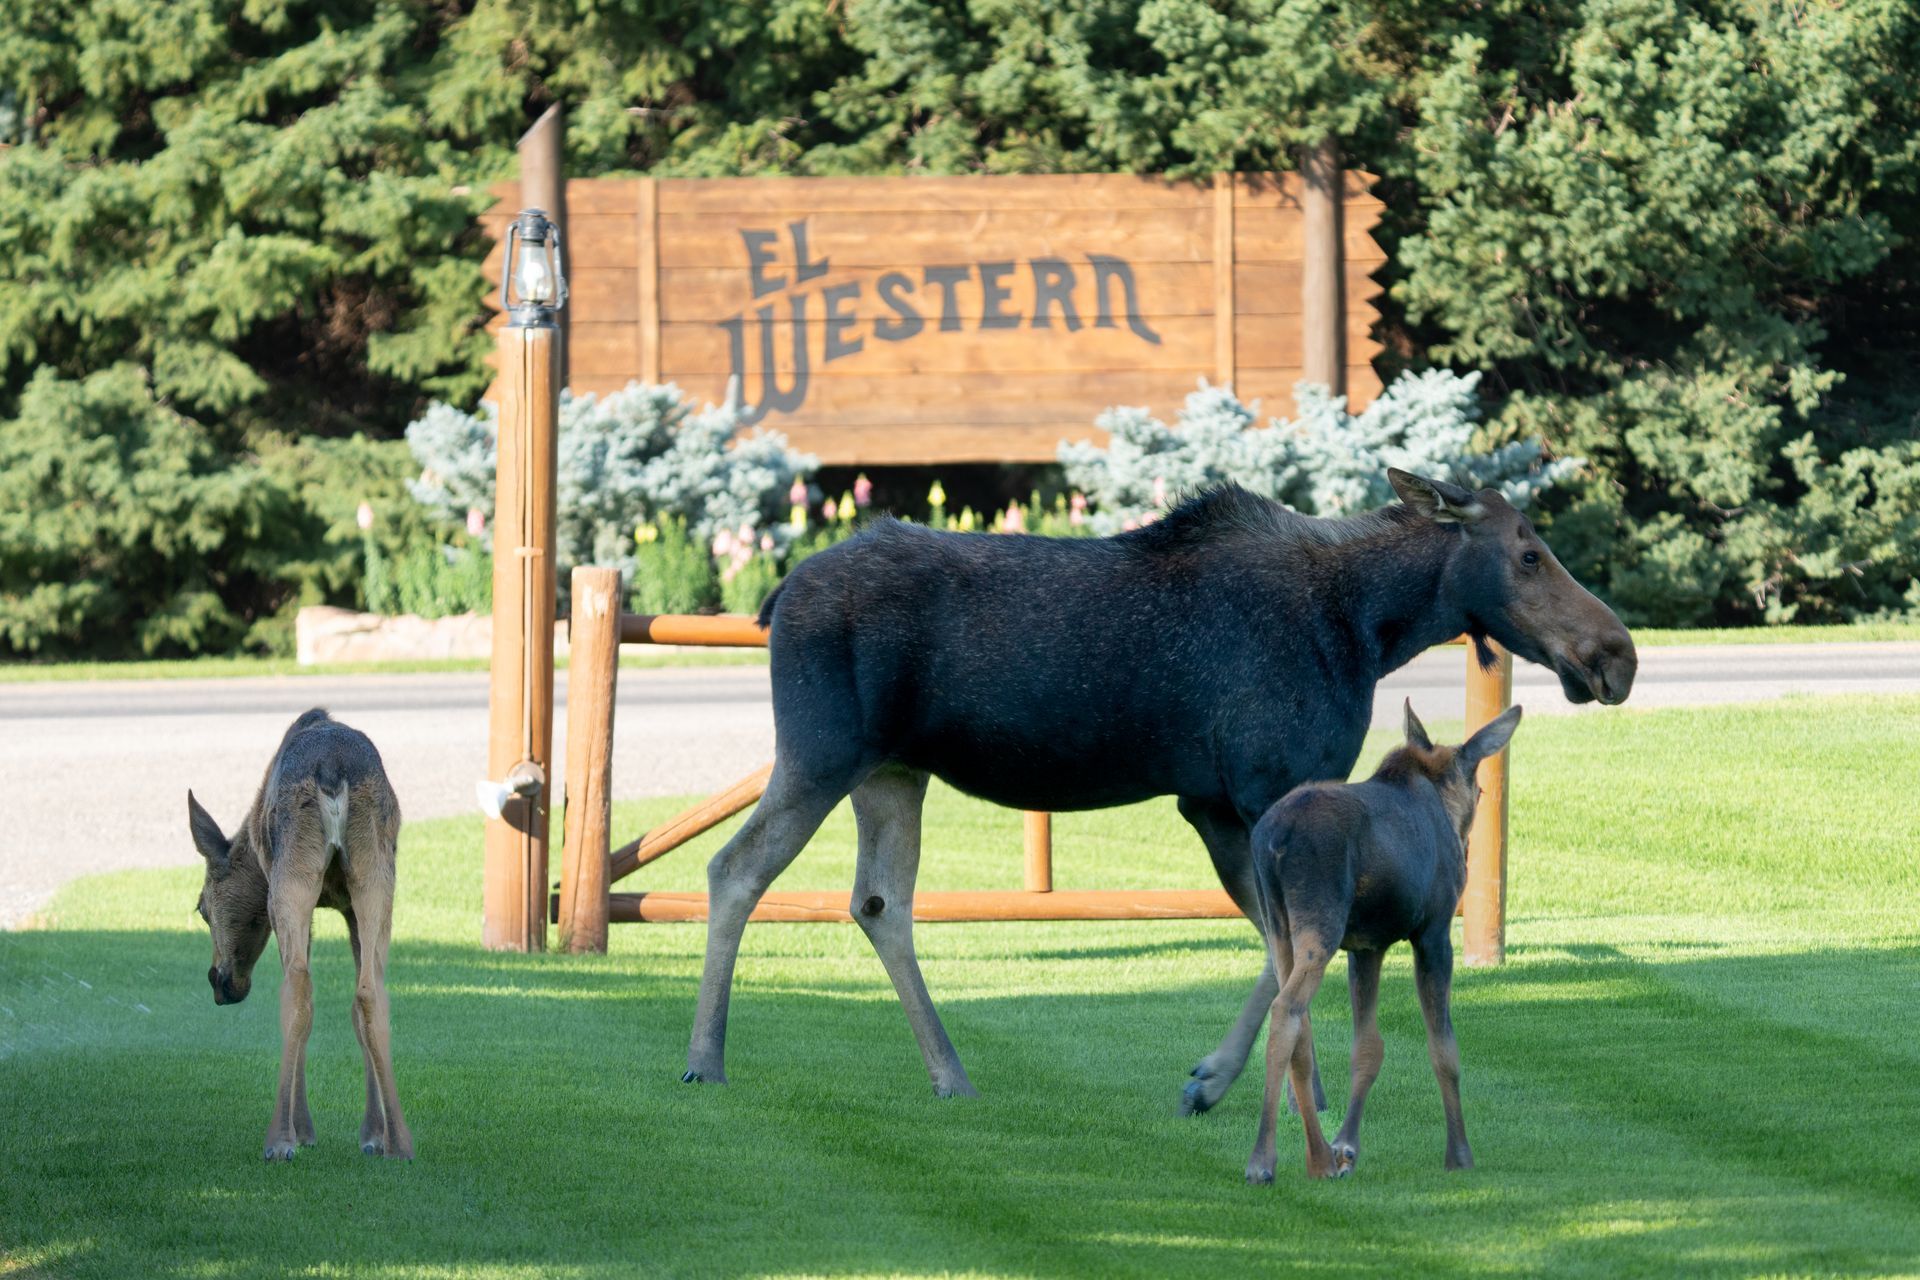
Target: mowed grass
{"type": "Point", "coordinates": [1701, 1058]}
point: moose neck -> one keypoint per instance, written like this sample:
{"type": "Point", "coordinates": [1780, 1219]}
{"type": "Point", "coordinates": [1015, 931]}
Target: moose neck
{"type": "Point", "coordinates": [1393, 593]}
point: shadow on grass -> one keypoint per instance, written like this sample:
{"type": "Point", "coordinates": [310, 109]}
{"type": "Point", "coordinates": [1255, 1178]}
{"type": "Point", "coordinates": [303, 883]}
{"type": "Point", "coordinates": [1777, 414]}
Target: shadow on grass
{"type": "Point", "coordinates": [1711, 1113]}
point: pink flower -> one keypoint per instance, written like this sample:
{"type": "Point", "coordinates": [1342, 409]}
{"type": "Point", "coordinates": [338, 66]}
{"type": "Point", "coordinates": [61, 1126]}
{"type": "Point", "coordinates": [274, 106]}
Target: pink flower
{"type": "Point", "coordinates": [364, 516]}
{"type": "Point", "coordinates": [476, 521]}
{"type": "Point", "coordinates": [862, 490]}
{"type": "Point", "coordinates": [828, 510]}
{"type": "Point", "coordinates": [1077, 516]}
{"type": "Point", "coordinates": [1016, 519]}
{"type": "Point", "coordinates": [797, 495]}
{"type": "Point", "coordinates": [766, 542]}
{"type": "Point", "coordinates": [1079, 502]}
{"type": "Point", "coordinates": [1130, 524]}
{"type": "Point", "coordinates": [722, 543]}
{"type": "Point", "coordinates": [1159, 491]}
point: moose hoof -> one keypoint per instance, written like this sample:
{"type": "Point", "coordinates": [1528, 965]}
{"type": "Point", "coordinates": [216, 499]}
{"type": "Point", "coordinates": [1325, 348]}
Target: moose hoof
{"type": "Point", "coordinates": [695, 1075]}
{"type": "Point", "coordinates": [280, 1150]}
{"type": "Point", "coordinates": [372, 1147]}
{"type": "Point", "coordinates": [1203, 1091]}
{"type": "Point", "coordinates": [1344, 1159]}
{"type": "Point", "coordinates": [962, 1089]}
{"type": "Point", "coordinates": [1259, 1172]}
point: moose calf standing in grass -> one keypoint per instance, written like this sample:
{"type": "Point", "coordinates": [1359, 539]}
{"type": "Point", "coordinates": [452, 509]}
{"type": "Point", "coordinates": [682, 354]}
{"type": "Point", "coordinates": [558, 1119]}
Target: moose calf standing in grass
{"type": "Point", "coordinates": [321, 833]}
{"type": "Point", "coordinates": [1358, 867]}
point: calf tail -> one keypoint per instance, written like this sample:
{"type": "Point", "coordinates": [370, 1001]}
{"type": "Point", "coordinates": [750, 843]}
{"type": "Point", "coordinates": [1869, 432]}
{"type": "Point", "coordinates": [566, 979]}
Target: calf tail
{"type": "Point", "coordinates": [765, 619]}
{"type": "Point", "coordinates": [333, 820]}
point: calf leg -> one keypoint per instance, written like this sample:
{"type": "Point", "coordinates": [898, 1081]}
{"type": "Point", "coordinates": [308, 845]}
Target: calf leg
{"type": "Point", "coordinates": [887, 808]}
{"type": "Point", "coordinates": [290, 903]}
{"type": "Point", "coordinates": [1290, 1051]}
{"type": "Point", "coordinates": [1369, 1050]}
{"type": "Point", "coordinates": [1226, 838]}
{"type": "Point", "coordinates": [302, 1117]}
{"type": "Point", "coordinates": [372, 896]}
{"type": "Point", "coordinates": [373, 1120]}
{"type": "Point", "coordinates": [1433, 973]}
{"type": "Point", "coordinates": [779, 827]}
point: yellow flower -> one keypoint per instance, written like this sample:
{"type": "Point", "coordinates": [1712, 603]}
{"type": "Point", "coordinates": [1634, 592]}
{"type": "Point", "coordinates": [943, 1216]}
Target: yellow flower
{"type": "Point", "coordinates": [936, 496]}
{"type": "Point", "coordinates": [646, 533]}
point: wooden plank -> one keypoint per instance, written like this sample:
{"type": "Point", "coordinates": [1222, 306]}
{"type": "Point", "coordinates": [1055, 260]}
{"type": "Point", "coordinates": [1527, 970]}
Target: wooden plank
{"type": "Point", "coordinates": [932, 908]}
{"type": "Point", "coordinates": [936, 238]}
{"type": "Point", "coordinates": [605, 349]}
{"type": "Point", "coordinates": [1276, 235]}
{"type": "Point", "coordinates": [1273, 288]}
{"type": "Point", "coordinates": [711, 294]}
{"type": "Point", "coordinates": [778, 197]}
{"type": "Point", "coordinates": [1282, 191]}
{"type": "Point", "coordinates": [1185, 342]}
{"type": "Point", "coordinates": [720, 630]}
{"type": "Point", "coordinates": [584, 195]}
{"type": "Point", "coordinates": [647, 276]}
{"type": "Point", "coordinates": [930, 444]}
{"type": "Point", "coordinates": [1224, 308]}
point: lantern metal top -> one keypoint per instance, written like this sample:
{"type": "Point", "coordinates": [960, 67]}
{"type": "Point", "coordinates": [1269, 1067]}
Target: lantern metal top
{"type": "Point", "coordinates": [533, 282]}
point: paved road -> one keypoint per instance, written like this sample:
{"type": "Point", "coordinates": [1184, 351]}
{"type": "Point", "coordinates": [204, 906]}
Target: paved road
{"type": "Point", "coordinates": [96, 773]}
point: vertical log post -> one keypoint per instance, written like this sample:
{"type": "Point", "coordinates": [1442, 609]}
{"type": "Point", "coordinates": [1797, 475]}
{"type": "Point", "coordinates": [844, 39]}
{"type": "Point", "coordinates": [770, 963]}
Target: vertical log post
{"type": "Point", "coordinates": [1485, 901]}
{"type": "Point", "coordinates": [520, 699]}
{"type": "Point", "coordinates": [593, 672]}
{"type": "Point", "coordinates": [1039, 843]}
{"type": "Point", "coordinates": [543, 185]}
{"type": "Point", "coordinates": [1323, 311]}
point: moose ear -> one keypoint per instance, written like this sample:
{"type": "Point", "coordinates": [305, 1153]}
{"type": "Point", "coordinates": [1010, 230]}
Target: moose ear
{"type": "Point", "coordinates": [1492, 737]}
{"type": "Point", "coordinates": [1417, 732]}
{"type": "Point", "coordinates": [213, 846]}
{"type": "Point", "coordinates": [1437, 500]}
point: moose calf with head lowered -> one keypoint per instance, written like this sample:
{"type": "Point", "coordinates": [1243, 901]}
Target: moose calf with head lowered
{"type": "Point", "coordinates": [321, 833]}
{"type": "Point", "coordinates": [1360, 867]}
{"type": "Point", "coordinates": [1223, 654]}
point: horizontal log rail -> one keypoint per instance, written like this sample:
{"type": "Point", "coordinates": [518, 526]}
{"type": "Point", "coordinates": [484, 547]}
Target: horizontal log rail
{"type": "Point", "coordinates": [975, 905]}
{"type": "Point", "coordinates": [1483, 904]}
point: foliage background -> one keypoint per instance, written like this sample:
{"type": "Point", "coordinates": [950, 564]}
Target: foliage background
{"type": "Point", "coordinates": [1675, 235]}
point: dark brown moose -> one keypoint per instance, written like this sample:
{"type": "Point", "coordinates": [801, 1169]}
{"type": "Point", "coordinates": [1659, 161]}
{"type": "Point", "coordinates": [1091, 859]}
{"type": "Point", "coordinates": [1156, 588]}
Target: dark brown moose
{"type": "Point", "coordinates": [1358, 867]}
{"type": "Point", "coordinates": [1223, 654]}
{"type": "Point", "coordinates": [321, 832]}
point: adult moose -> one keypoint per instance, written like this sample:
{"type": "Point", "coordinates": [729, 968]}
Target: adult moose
{"type": "Point", "coordinates": [1223, 654]}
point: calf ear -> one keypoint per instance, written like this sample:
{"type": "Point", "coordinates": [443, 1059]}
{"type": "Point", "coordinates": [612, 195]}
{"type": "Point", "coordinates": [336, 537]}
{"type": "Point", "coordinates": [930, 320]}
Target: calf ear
{"type": "Point", "coordinates": [1417, 732]}
{"type": "Point", "coordinates": [213, 846]}
{"type": "Point", "coordinates": [1437, 500]}
{"type": "Point", "coordinates": [1491, 737]}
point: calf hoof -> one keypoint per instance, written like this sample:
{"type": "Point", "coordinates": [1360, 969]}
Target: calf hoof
{"type": "Point", "coordinates": [373, 1147]}
{"type": "Point", "coordinates": [401, 1150]}
{"type": "Point", "coordinates": [1259, 1171]}
{"type": "Point", "coordinates": [1344, 1159]}
{"type": "Point", "coordinates": [1462, 1159]}
{"type": "Point", "coordinates": [1203, 1091]}
{"type": "Point", "coordinates": [959, 1089]}
{"type": "Point", "coordinates": [280, 1149]}
{"type": "Point", "coordinates": [696, 1076]}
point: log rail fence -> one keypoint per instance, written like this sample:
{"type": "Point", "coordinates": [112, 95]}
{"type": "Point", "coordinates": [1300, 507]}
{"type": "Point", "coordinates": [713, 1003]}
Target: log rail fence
{"type": "Point", "coordinates": [586, 904]}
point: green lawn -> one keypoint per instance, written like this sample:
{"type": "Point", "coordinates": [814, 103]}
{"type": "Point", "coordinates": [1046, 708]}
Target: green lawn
{"type": "Point", "coordinates": [1701, 1058]}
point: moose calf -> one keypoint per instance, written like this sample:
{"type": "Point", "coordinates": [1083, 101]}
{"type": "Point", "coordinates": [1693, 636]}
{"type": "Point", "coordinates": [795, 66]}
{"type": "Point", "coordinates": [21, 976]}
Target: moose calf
{"type": "Point", "coordinates": [1358, 867]}
{"type": "Point", "coordinates": [320, 833]}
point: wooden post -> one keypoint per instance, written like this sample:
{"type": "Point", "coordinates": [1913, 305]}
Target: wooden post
{"type": "Point", "coordinates": [1225, 309]}
{"type": "Point", "coordinates": [1323, 312]}
{"type": "Point", "coordinates": [520, 715]}
{"type": "Point", "coordinates": [543, 185]}
{"type": "Point", "coordinates": [1485, 901]}
{"type": "Point", "coordinates": [1039, 842]}
{"type": "Point", "coordinates": [593, 672]}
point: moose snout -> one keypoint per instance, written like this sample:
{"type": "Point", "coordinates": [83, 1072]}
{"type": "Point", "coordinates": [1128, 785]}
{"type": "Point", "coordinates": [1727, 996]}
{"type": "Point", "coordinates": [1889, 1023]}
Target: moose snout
{"type": "Point", "coordinates": [225, 989]}
{"type": "Point", "coordinates": [1611, 668]}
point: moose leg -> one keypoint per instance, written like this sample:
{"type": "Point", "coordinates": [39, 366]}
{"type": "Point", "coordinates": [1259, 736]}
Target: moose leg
{"type": "Point", "coordinates": [290, 903]}
{"type": "Point", "coordinates": [1290, 1051]}
{"type": "Point", "coordinates": [1433, 974]}
{"type": "Point", "coordinates": [779, 827]}
{"type": "Point", "coordinates": [372, 894]}
{"type": "Point", "coordinates": [302, 1117]}
{"type": "Point", "coordinates": [887, 808]}
{"type": "Point", "coordinates": [1226, 838]}
{"type": "Point", "coordinates": [1369, 1050]}
{"type": "Point", "coordinates": [373, 1121]}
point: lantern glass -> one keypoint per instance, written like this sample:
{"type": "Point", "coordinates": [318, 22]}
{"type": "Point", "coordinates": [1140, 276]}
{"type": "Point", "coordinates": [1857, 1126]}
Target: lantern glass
{"type": "Point", "coordinates": [532, 275]}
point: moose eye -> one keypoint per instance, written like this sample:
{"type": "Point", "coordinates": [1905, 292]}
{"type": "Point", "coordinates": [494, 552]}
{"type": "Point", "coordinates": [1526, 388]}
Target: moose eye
{"type": "Point", "coordinates": [1529, 558]}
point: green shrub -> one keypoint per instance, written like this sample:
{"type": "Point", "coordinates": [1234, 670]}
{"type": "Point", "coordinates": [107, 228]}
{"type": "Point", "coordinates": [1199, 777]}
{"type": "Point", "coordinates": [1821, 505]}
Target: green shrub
{"type": "Point", "coordinates": [671, 573]}
{"type": "Point", "coordinates": [429, 580]}
{"type": "Point", "coordinates": [745, 586]}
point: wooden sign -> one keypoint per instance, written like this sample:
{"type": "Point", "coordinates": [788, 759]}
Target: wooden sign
{"type": "Point", "coordinates": [924, 320]}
